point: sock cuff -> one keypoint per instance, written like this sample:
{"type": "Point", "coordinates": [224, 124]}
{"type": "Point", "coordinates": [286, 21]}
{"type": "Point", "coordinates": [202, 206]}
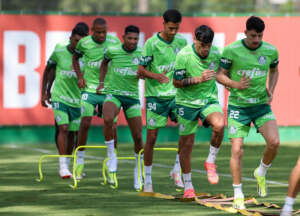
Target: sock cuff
{"type": "Point", "coordinates": [289, 200]}
{"type": "Point", "coordinates": [110, 142]}
{"type": "Point", "coordinates": [265, 165]}
{"type": "Point", "coordinates": [237, 186]}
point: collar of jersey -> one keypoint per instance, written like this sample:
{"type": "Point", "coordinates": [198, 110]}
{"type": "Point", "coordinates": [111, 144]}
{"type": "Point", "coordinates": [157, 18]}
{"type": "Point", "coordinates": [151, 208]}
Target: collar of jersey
{"type": "Point", "coordinates": [123, 47]}
{"type": "Point", "coordinates": [245, 45]}
{"type": "Point", "coordinates": [97, 41]}
{"type": "Point", "coordinates": [160, 38]}
{"type": "Point", "coordinates": [198, 53]}
{"type": "Point", "coordinates": [69, 49]}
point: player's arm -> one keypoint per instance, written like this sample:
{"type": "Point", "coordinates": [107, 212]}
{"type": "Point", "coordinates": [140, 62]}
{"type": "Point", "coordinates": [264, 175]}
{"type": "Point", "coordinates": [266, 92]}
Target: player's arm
{"type": "Point", "coordinates": [223, 78]}
{"type": "Point", "coordinates": [143, 72]}
{"type": "Point", "coordinates": [75, 63]}
{"type": "Point", "coordinates": [48, 78]}
{"type": "Point", "coordinates": [273, 78]}
{"type": "Point", "coordinates": [103, 72]}
{"type": "Point", "coordinates": [180, 82]}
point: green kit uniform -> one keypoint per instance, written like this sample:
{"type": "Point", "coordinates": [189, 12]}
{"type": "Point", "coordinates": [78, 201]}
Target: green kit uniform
{"type": "Point", "coordinates": [200, 100]}
{"type": "Point", "coordinates": [93, 53]}
{"type": "Point", "coordinates": [122, 88]}
{"type": "Point", "coordinates": [65, 95]}
{"type": "Point", "coordinates": [248, 105]}
{"type": "Point", "coordinates": [159, 56]}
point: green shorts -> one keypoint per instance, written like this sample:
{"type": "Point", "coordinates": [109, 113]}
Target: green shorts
{"type": "Point", "coordinates": [188, 117]}
{"type": "Point", "coordinates": [240, 118]}
{"type": "Point", "coordinates": [158, 110]}
{"type": "Point", "coordinates": [65, 114]}
{"type": "Point", "coordinates": [91, 101]}
{"type": "Point", "coordinates": [131, 106]}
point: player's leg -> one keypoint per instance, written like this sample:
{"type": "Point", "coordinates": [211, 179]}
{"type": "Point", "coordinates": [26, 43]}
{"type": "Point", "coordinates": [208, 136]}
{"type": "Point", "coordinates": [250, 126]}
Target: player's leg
{"type": "Point", "coordinates": [293, 190]}
{"type": "Point", "coordinates": [267, 126]}
{"type": "Point", "coordinates": [214, 117]}
{"type": "Point", "coordinates": [175, 172]}
{"type": "Point", "coordinates": [111, 109]}
{"type": "Point", "coordinates": [56, 134]}
{"type": "Point", "coordinates": [133, 115]}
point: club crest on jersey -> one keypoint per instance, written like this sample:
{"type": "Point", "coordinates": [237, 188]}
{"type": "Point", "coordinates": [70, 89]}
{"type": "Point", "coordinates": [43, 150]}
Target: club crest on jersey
{"type": "Point", "coordinates": [232, 129]}
{"type": "Point", "coordinates": [151, 122]}
{"type": "Point", "coordinates": [135, 61]}
{"type": "Point", "coordinates": [262, 60]}
{"type": "Point", "coordinates": [181, 127]}
{"type": "Point", "coordinates": [212, 66]}
{"type": "Point", "coordinates": [176, 50]}
{"type": "Point", "coordinates": [58, 118]}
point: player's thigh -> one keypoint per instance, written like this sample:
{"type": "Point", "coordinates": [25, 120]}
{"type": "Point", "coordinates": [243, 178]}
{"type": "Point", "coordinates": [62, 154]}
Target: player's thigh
{"type": "Point", "coordinates": [136, 126]}
{"type": "Point", "coordinates": [238, 122]}
{"type": "Point", "coordinates": [269, 130]}
{"type": "Point", "coordinates": [187, 120]}
{"type": "Point", "coordinates": [236, 146]}
{"type": "Point", "coordinates": [156, 113]}
{"type": "Point", "coordinates": [213, 115]}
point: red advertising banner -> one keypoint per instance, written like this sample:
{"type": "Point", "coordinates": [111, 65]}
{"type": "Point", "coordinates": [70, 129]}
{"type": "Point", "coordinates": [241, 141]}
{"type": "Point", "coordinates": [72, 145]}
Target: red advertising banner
{"type": "Point", "coordinates": [26, 42]}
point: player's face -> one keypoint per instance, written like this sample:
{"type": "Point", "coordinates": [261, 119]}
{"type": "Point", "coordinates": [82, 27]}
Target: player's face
{"type": "Point", "coordinates": [253, 38]}
{"type": "Point", "coordinates": [171, 29]}
{"type": "Point", "coordinates": [99, 32]}
{"type": "Point", "coordinates": [74, 40]}
{"type": "Point", "coordinates": [202, 48]}
{"type": "Point", "coordinates": [131, 40]}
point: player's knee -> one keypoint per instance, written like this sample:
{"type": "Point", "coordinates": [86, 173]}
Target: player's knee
{"type": "Point", "coordinates": [85, 125]}
{"type": "Point", "coordinates": [218, 126]}
{"type": "Point", "coordinates": [274, 143]}
{"type": "Point", "coordinates": [64, 129]}
{"type": "Point", "coordinates": [108, 121]}
{"type": "Point", "coordinates": [237, 152]}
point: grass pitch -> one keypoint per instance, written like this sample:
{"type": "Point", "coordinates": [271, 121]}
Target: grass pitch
{"type": "Point", "coordinates": [22, 195]}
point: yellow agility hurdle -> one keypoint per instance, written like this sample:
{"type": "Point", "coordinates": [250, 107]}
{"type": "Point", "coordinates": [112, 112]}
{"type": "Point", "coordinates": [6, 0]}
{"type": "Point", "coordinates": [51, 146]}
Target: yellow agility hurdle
{"type": "Point", "coordinates": [139, 162]}
{"type": "Point", "coordinates": [114, 175]}
{"type": "Point", "coordinates": [41, 161]}
{"type": "Point", "coordinates": [74, 161]}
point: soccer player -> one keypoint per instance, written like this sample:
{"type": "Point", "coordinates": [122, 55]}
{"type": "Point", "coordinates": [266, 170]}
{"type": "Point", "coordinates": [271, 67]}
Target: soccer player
{"type": "Point", "coordinates": [244, 68]}
{"type": "Point", "coordinates": [293, 190]}
{"type": "Point", "coordinates": [122, 91]}
{"type": "Point", "coordinates": [157, 67]}
{"type": "Point", "coordinates": [92, 48]}
{"type": "Point", "coordinates": [65, 95]}
{"type": "Point", "coordinates": [197, 98]}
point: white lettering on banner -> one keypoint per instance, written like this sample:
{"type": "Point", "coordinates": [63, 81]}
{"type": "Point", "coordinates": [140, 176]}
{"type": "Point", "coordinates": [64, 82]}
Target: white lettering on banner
{"type": "Point", "coordinates": [54, 37]}
{"type": "Point", "coordinates": [13, 69]}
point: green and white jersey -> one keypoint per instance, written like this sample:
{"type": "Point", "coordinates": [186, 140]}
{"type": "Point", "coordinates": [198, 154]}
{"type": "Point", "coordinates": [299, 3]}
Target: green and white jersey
{"type": "Point", "coordinates": [65, 88]}
{"type": "Point", "coordinates": [93, 53]}
{"type": "Point", "coordinates": [122, 71]}
{"type": "Point", "coordinates": [255, 63]}
{"type": "Point", "coordinates": [190, 64]}
{"type": "Point", "coordinates": [159, 56]}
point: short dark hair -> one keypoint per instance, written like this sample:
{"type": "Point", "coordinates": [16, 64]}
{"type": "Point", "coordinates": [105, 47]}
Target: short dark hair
{"type": "Point", "coordinates": [172, 15]}
{"type": "Point", "coordinates": [255, 23]}
{"type": "Point", "coordinates": [132, 28]}
{"type": "Point", "coordinates": [204, 34]}
{"type": "Point", "coordinates": [99, 21]}
{"type": "Point", "coordinates": [81, 29]}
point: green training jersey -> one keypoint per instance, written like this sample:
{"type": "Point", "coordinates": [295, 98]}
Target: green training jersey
{"type": "Point", "coordinates": [65, 88]}
{"type": "Point", "coordinates": [122, 71]}
{"type": "Point", "coordinates": [93, 53]}
{"type": "Point", "coordinates": [159, 56]}
{"type": "Point", "coordinates": [254, 63]}
{"type": "Point", "coordinates": [190, 64]}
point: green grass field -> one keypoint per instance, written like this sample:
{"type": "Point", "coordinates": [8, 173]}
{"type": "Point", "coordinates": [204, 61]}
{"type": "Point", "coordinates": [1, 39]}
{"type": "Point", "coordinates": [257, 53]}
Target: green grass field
{"type": "Point", "coordinates": [21, 195]}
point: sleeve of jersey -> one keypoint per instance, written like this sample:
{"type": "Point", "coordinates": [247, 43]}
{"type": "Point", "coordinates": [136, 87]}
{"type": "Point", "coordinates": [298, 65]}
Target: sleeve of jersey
{"type": "Point", "coordinates": [226, 59]}
{"type": "Point", "coordinates": [79, 50]}
{"type": "Point", "coordinates": [53, 59]}
{"type": "Point", "coordinates": [147, 55]}
{"type": "Point", "coordinates": [180, 68]}
{"type": "Point", "coordinates": [275, 60]}
{"type": "Point", "coordinates": [108, 55]}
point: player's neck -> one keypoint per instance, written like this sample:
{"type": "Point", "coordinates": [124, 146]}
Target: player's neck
{"type": "Point", "coordinates": [127, 49]}
{"type": "Point", "coordinates": [71, 48]}
{"type": "Point", "coordinates": [164, 36]}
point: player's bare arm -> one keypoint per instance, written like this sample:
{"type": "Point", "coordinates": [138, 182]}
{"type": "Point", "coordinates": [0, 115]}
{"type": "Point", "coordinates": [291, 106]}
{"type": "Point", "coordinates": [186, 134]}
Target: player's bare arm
{"type": "Point", "coordinates": [205, 76]}
{"type": "Point", "coordinates": [273, 78]}
{"type": "Point", "coordinates": [161, 78]}
{"type": "Point", "coordinates": [103, 71]}
{"type": "Point", "coordinates": [76, 66]}
{"type": "Point", "coordinates": [223, 78]}
{"type": "Point", "coordinates": [48, 78]}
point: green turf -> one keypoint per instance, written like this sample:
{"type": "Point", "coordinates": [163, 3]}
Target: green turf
{"type": "Point", "coordinates": [21, 195]}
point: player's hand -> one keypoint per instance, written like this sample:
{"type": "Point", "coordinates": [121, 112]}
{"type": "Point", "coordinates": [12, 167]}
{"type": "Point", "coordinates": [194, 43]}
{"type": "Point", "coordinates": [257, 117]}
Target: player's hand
{"type": "Point", "coordinates": [162, 78]}
{"type": "Point", "coordinates": [270, 94]}
{"type": "Point", "coordinates": [100, 88]}
{"type": "Point", "coordinates": [244, 82]}
{"type": "Point", "coordinates": [208, 75]}
{"type": "Point", "coordinates": [81, 82]}
{"type": "Point", "coordinates": [45, 100]}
